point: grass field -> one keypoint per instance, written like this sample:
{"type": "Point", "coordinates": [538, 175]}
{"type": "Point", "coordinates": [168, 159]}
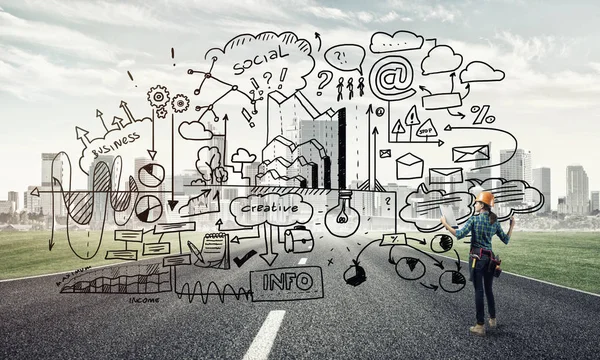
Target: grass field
{"type": "Point", "coordinates": [26, 253]}
{"type": "Point", "coordinates": [565, 258]}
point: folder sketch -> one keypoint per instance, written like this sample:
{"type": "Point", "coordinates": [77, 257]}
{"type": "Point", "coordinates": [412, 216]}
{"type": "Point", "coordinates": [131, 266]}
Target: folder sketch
{"type": "Point", "coordinates": [448, 213]}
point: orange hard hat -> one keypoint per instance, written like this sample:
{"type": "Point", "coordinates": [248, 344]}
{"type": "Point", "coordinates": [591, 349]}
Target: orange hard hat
{"type": "Point", "coordinates": [486, 197]}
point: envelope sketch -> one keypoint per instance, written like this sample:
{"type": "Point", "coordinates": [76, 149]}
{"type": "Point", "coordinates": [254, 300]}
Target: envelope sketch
{"type": "Point", "coordinates": [452, 175]}
{"type": "Point", "coordinates": [470, 153]}
{"type": "Point", "coordinates": [385, 153]}
{"type": "Point", "coordinates": [409, 166]}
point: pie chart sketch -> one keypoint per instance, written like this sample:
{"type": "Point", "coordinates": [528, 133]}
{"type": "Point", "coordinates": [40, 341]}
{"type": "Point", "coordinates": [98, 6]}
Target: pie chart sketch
{"type": "Point", "coordinates": [151, 175]}
{"type": "Point", "coordinates": [452, 281]}
{"type": "Point", "coordinates": [148, 209]}
{"type": "Point", "coordinates": [409, 268]}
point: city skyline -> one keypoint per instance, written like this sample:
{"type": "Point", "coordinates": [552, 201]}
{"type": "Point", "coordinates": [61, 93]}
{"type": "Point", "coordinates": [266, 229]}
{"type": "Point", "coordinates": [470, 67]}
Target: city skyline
{"type": "Point", "coordinates": [30, 201]}
{"type": "Point", "coordinates": [59, 72]}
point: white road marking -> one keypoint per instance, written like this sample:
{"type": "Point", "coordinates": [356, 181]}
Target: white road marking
{"type": "Point", "coordinates": [263, 342]}
{"type": "Point", "coordinates": [302, 261]}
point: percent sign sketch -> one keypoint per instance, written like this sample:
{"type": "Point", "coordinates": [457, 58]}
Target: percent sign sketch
{"type": "Point", "coordinates": [482, 114]}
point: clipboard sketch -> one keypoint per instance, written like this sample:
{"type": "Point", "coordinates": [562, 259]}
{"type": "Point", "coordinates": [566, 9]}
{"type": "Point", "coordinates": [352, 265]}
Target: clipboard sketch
{"type": "Point", "coordinates": [214, 252]}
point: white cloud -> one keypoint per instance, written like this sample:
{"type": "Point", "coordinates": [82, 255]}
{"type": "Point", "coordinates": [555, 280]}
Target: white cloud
{"type": "Point", "coordinates": [365, 16]}
{"type": "Point", "coordinates": [30, 76]}
{"type": "Point", "coordinates": [391, 16]}
{"type": "Point", "coordinates": [525, 85]}
{"type": "Point", "coordinates": [34, 77]}
{"type": "Point", "coordinates": [329, 13]}
{"type": "Point", "coordinates": [57, 37]}
{"type": "Point", "coordinates": [254, 9]}
{"type": "Point", "coordinates": [438, 12]}
{"type": "Point", "coordinates": [105, 12]}
{"type": "Point", "coordinates": [126, 63]}
{"type": "Point", "coordinates": [425, 11]}
{"type": "Point", "coordinates": [537, 47]}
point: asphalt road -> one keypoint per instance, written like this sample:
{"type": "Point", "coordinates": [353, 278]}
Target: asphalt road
{"type": "Point", "coordinates": [385, 317]}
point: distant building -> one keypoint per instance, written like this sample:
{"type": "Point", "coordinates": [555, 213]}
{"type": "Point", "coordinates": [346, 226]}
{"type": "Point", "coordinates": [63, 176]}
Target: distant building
{"type": "Point", "coordinates": [7, 207]}
{"type": "Point", "coordinates": [52, 166]}
{"type": "Point", "coordinates": [542, 182]}
{"type": "Point", "coordinates": [32, 204]}
{"type": "Point", "coordinates": [100, 199]}
{"type": "Point", "coordinates": [595, 201]}
{"type": "Point", "coordinates": [563, 208]}
{"type": "Point", "coordinates": [482, 160]}
{"type": "Point", "coordinates": [435, 183]}
{"type": "Point", "coordinates": [14, 197]}
{"type": "Point", "coordinates": [251, 171]}
{"type": "Point", "coordinates": [326, 133]}
{"type": "Point", "coordinates": [578, 192]}
{"type": "Point", "coordinates": [517, 168]}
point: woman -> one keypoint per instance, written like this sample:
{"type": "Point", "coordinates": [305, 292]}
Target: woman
{"type": "Point", "coordinates": [482, 226]}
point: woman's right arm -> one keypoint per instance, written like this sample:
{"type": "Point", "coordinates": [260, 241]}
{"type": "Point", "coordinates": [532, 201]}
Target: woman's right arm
{"type": "Point", "coordinates": [505, 237]}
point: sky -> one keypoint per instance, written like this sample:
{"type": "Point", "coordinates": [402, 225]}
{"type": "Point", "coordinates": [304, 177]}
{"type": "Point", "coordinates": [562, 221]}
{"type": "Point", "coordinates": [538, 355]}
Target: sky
{"type": "Point", "coordinates": [60, 61]}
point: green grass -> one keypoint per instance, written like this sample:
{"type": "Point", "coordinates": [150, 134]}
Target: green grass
{"type": "Point", "coordinates": [26, 253]}
{"type": "Point", "coordinates": [565, 258]}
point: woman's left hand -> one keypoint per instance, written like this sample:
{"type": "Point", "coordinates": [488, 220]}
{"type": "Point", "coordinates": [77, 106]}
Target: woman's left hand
{"type": "Point", "coordinates": [443, 220]}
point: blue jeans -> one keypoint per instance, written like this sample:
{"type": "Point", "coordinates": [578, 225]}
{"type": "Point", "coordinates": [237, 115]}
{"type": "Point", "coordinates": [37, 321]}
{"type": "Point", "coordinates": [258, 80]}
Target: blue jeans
{"type": "Point", "coordinates": [482, 281]}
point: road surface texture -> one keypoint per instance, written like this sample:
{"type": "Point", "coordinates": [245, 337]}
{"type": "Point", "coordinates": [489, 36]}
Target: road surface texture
{"type": "Point", "coordinates": [386, 317]}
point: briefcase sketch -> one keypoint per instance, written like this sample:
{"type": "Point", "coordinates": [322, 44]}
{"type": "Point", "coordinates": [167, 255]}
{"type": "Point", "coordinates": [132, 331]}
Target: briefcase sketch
{"type": "Point", "coordinates": [298, 240]}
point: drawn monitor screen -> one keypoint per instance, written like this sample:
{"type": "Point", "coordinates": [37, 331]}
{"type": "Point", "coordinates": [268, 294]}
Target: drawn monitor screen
{"type": "Point", "coordinates": [448, 213]}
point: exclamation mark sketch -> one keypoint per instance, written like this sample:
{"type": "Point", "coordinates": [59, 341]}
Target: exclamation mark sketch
{"type": "Point", "coordinates": [248, 117]}
{"type": "Point", "coordinates": [131, 77]}
{"type": "Point", "coordinates": [282, 77]}
{"type": "Point", "coordinates": [173, 55]}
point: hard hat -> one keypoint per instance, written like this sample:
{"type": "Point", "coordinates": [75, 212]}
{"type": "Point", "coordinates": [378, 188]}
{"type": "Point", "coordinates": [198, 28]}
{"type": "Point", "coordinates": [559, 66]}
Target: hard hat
{"type": "Point", "coordinates": [486, 197]}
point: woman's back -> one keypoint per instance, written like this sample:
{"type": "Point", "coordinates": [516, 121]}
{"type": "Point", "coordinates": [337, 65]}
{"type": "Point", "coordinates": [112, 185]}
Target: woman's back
{"type": "Point", "coordinates": [482, 230]}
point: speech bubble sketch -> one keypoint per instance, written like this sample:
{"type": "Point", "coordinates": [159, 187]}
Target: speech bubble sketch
{"type": "Point", "coordinates": [422, 207]}
{"type": "Point", "coordinates": [194, 130]}
{"type": "Point", "coordinates": [441, 59]}
{"type": "Point", "coordinates": [510, 196]}
{"type": "Point", "coordinates": [382, 42]}
{"type": "Point", "coordinates": [346, 57]}
{"type": "Point", "coordinates": [245, 59]}
{"type": "Point", "coordinates": [128, 139]}
{"type": "Point", "coordinates": [272, 209]}
{"type": "Point", "coordinates": [479, 71]}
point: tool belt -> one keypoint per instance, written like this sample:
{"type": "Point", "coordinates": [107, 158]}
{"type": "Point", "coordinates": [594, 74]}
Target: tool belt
{"type": "Point", "coordinates": [494, 263]}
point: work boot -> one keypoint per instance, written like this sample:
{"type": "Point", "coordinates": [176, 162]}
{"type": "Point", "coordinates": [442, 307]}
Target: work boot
{"type": "Point", "coordinates": [492, 323]}
{"type": "Point", "coordinates": [477, 330]}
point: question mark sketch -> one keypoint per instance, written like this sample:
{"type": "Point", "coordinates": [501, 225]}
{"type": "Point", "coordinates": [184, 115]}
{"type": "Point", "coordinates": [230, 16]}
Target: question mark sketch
{"type": "Point", "coordinates": [387, 201]}
{"type": "Point", "coordinates": [328, 77]}
{"type": "Point", "coordinates": [268, 77]}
